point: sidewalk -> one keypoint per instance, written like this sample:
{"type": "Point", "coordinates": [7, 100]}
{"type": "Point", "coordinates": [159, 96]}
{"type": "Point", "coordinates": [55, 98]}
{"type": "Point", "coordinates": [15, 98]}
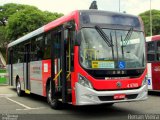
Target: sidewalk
{"type": "Point", "coordinates": [6, 90]}
{"type": "Point", "coordinates": [3, 84]}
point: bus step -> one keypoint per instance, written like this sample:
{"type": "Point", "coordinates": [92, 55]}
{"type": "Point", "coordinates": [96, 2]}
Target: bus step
{"type": "Point", "coordinates": [27, 91]}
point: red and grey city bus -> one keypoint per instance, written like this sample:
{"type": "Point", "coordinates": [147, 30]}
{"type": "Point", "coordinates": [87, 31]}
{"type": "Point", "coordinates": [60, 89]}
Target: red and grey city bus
{"type": "Point", "coordinates": [153, 57]}
{"type": "Point", "coordinates": [88, 57]}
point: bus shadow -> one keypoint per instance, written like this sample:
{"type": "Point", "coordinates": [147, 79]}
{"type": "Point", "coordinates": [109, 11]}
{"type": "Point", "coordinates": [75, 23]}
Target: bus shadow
{"type": "Point", "coordinates": [100, 112]}
{"type": "Point", "coordinates": [32, 96]}
{"type": "Point", "coordinates": [89, 111]}
{"type": "Point", "coordinates": [154, 93]}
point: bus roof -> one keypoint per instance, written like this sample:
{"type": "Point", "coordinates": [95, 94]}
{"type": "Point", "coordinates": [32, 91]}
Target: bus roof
{"type": "Point", "coordinates": [106, 12]}
{"type": "Point", "coordinates": [153, 38]}
{"type": "Point", "coordinates": [46, 27]}
{"type": "Point", "coordinates": [74, 15]}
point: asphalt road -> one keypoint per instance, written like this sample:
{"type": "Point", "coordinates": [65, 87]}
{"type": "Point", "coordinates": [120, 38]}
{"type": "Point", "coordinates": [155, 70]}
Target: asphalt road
{"type": "Point", "coordinates": [33, 107]}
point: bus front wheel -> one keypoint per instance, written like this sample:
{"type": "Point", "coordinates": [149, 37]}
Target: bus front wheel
{"type": "Point", "coordinates": [53, 102]}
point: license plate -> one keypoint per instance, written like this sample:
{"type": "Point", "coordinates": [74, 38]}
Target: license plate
{"type": "Point", "coordinates": [119, 96]}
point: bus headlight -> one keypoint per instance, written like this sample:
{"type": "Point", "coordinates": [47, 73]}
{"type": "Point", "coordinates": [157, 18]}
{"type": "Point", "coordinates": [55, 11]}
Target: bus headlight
{"type": "Point", "coordinates": [83, 81]}
{"type": "Point", "coordinates": [144, 81]}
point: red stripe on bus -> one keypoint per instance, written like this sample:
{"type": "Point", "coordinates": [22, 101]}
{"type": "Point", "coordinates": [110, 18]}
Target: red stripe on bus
{"type": "Point", "coordinates": [110, 84]}
{"type": "Point", "coordinates": [73, 16]}
{"type": "Point", "coordinates": [46, 73]}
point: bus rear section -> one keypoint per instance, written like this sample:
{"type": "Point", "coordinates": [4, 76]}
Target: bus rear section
{"type": "Point", "coordinates": [153, 62]}
{"type": "Point", "coordinates": [86, 58]}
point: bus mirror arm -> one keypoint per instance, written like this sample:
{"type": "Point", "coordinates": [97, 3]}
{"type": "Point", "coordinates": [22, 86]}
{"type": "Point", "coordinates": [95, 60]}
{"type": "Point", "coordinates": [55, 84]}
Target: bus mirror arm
{"type": "Point", "coordinates": [78, 39]}
{"type": "Point", "coordinates": [68, 26]}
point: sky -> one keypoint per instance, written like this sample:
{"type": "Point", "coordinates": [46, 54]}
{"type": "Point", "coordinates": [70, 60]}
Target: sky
{"type": "Point", "coordinates": [134, 7]}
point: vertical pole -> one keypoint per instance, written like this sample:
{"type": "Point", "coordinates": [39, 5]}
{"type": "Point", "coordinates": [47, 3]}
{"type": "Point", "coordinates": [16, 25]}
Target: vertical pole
{"type": "Point", "coordinates": [52, 83]}
{"type": "Point", "coordinates": [63, 67]}
{"type": "Point", "coordinates": [119, 5]}
{"type": "Point", "coordinates": [11, 63]}
{"type": "Point", "coordinates": [150, 20]}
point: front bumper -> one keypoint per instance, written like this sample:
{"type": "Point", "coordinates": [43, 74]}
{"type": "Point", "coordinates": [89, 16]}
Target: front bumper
{"type": "Point", "coordinates": [87, 96]}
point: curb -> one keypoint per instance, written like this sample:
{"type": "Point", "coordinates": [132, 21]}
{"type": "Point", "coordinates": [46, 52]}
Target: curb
{"type": "Point", "coordinates": [4, 85]}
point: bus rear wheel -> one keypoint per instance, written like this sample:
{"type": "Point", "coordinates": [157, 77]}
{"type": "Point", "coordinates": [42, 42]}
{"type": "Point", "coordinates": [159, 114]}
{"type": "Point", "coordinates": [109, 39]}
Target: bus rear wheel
{"type": "Point", "coordinates": [53, 102]}
{"type": "Point", "coordinates": [18, 88]}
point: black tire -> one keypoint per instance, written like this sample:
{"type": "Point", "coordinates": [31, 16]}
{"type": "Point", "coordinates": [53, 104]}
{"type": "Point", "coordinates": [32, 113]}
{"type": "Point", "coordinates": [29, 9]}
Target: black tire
{"type": "Point", "coordinates": [53, 102]}
{"type": "Point", "coordinates": [18, 88]}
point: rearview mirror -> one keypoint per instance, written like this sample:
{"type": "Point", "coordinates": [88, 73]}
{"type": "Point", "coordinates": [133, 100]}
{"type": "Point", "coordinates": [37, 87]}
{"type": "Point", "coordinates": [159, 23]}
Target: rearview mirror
{"type": "Point", "coordinates": [67, 26]}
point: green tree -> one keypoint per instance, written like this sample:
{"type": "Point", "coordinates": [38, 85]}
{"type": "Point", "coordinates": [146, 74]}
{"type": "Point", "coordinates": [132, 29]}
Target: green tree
{"type": "Point", "coordinates": [2, 36]}
{"type": "Point", "coordinates": [22, 19]}
{"type": "Point", "coordinates": [17, 20]}
{"type": "Point", "coordinates": [155, 22]}
{"type": "Point", "coordinates": [9, 9]}
{"type": "Point", "coordinates": [23, 22]}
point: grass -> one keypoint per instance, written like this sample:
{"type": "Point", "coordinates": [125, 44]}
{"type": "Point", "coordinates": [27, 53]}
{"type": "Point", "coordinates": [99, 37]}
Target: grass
{"type": "Point", "coordinates": [2, 70]}
{"type": "Point", "coordinates": [3, 79]}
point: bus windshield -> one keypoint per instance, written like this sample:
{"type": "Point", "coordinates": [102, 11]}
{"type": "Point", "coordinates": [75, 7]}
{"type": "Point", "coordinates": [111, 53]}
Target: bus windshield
{"type": "Point", "coordinates": [127, 49]}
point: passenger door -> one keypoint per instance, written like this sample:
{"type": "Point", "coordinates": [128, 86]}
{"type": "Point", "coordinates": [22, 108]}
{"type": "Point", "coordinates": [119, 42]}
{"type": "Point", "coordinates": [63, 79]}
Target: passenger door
{"type": "Point", "coordinates": [58, 68]}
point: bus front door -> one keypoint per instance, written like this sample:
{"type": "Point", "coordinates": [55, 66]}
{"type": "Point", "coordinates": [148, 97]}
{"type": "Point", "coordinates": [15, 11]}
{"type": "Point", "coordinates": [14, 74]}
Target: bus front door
{"type": "Point", "coordinates": [58, 69]}
{"type": "Point", "coordinates": [27, 68]}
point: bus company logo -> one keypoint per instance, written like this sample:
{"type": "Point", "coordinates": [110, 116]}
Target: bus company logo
{"type": "Point", "coordinates": [118, 84]}
{"type": "Point", "coordinates": [157, 68]}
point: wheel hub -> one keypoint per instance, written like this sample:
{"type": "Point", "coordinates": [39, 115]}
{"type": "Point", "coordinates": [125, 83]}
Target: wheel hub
{"type": "Point", "coordinates": [18, 87]}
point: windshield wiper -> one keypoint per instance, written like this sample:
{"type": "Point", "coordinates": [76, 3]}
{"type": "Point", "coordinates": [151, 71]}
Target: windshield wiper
{"type": "Point", "coordinates": [125, 41]}
{"type": "Point", "coordinates": [104, 36]}
{"type": "Point", "coordinates": [128, 36]}
{"type": "Point", "coordinates": [122, 47]}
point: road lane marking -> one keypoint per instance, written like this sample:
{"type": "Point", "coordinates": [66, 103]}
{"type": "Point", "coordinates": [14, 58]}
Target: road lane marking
{"type": "Point", "coordinates": [26, 107]}
{"type": "Point", "coordinates": [18, 103]}
{"type": "Point", "coordinates": [32, 108]}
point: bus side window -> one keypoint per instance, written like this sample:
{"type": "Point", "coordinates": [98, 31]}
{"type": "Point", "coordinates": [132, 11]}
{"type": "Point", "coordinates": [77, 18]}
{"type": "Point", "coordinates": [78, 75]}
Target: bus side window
{"type": "Point", "coordinates": [151, 57]}
{"type": "Point", "coordinates": [33, 50]}
{"type": "Point", "coordinates": [158, 46]}
{"type": "Point", "coordinates": [47, 47]}
{"type": "Point", "coordinates": [151, 47]}
{"type": "Point", "coordinates": [20, 53]}
{"type": "Point", "coordinates": [158, 56]}
{"type": "Point", "coordinates": [37, 49]}
{"type": "Point", "coordinates": [151, 54]}
{"type": "Point", "coordinates": [15, 55]}
{"type": "Point", "coordinates": [158, 51]}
